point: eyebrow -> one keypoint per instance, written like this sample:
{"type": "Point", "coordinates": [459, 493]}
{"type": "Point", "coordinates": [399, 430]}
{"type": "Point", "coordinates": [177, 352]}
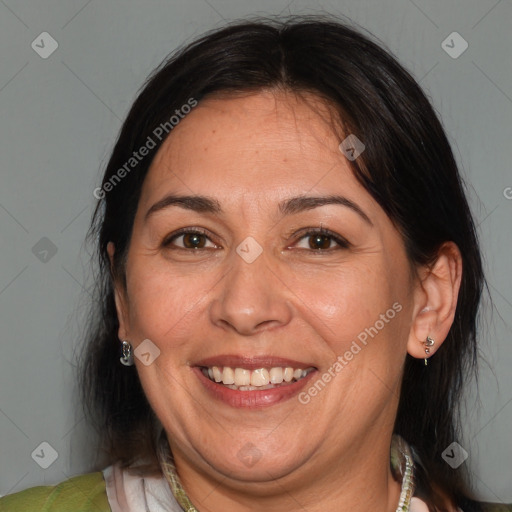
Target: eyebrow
{"type": "Point", "coordinates": [302, 203]}
{"type": "Point", "coordinates": [200, 204]}
{"type": "Point", "coordinates": [204, 204]}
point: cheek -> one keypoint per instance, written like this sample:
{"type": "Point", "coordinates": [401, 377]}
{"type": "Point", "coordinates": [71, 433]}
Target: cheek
{"type": "Point", "coordinates": [163, 303]}
{"type": "Point", "coordinates": [341, 303]}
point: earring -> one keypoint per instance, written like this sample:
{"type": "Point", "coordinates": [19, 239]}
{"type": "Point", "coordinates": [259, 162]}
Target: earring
{"type": "Point", "coordinates": [127, 357]}
{"type": "Point", "coordinates": [429, 342]}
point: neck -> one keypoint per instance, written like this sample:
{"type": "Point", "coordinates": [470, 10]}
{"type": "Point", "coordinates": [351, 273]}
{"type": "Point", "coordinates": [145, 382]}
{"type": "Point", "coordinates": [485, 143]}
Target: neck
{"type": "Point", "coordinates": [358, 479]}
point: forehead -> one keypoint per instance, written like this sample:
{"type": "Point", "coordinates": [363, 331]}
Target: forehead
{"type": "Point", "coordinates": [258, 145]}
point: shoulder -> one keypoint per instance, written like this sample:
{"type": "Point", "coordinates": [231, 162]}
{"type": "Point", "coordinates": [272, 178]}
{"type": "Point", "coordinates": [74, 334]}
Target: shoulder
{"type": "Point", "coordinates": [473, 506]}
{"type": "Point", "coordinates": [85, 493]}
{"type": "Point", "coordinates": [494, 507]}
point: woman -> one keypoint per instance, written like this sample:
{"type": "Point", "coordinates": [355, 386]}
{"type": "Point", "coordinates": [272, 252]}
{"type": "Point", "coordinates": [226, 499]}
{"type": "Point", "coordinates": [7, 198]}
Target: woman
{"type": "Point", "coordinates": [289, 285]}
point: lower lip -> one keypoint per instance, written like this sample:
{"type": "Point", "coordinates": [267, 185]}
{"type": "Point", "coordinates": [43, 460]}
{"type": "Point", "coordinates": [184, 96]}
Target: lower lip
{"type": "Point", "coordinates": [255, 398]}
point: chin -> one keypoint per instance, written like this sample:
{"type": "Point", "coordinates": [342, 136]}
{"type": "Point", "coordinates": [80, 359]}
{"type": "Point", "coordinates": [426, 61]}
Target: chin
{"type": "Point", "coordinates": [249, 464]}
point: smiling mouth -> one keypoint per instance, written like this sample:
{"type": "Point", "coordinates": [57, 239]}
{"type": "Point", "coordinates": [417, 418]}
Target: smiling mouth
{"type": "Point", "coordinates": [242, 379]}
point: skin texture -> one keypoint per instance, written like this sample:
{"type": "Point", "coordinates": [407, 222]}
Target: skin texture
{"type": "Point", "coordinates": [249, 153]}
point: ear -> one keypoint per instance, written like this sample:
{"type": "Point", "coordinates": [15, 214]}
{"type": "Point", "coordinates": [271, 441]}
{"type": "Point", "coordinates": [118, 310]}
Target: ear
{"type": "Point", "coordinates": [120, 297]}
{"type": "Point", "coordinates": [435, 301]}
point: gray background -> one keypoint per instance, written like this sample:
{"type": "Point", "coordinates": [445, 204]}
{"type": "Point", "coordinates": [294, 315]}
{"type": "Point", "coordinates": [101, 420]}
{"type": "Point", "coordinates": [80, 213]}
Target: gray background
{"type": "Point", "coordinates": [58, 121]}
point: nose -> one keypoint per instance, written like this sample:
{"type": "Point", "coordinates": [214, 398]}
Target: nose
{"type": "Point", "coordinates": [251, 298]}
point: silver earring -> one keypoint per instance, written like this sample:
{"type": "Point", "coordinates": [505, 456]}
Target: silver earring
{"type": "Point", "coordinates": [127, 357]}
{"type": "Point", "coordinates": [429, 342]}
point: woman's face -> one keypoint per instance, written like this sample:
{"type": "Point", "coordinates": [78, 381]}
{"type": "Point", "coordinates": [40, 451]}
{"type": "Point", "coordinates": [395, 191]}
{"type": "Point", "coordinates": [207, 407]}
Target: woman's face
{"type": "Point", "coordinates": [228, 268]}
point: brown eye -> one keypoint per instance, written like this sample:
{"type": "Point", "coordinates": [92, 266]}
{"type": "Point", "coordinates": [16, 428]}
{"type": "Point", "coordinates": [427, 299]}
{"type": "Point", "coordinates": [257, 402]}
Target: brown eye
{"type": "Point", "coordinates": [318, 241]}
{"type": "Point", "coordinates": [321, 240]}
{"type": "Point", "coordinates": [187, 239]}
{"type": "Point", "coordinates": [194, 241]}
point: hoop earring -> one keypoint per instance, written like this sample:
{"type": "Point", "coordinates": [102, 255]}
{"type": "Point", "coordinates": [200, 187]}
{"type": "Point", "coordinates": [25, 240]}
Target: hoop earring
{"type": "Point", "coordinates": [127, 358]}
{"type": "Point", "coordinates": [429, 342]}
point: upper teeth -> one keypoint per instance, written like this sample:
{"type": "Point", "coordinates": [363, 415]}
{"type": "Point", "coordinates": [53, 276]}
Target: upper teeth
{"type": "Point", "coordinates": [256, 378]}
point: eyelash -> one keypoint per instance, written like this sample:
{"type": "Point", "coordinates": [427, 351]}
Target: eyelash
{"type": "Point", "coordinates": [305, 233]}
{"type": "Point", "coordinates": [183, 231]}
{"type": "Point", "coordinates": [308, 232]}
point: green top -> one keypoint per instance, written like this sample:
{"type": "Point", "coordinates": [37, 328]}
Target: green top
{"type": "Point", "coordinates": [87, 493]}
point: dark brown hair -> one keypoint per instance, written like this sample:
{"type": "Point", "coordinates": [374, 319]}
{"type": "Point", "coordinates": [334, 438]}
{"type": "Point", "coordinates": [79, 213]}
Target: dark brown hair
{"type": "Point", "coordinates": [407, 166]}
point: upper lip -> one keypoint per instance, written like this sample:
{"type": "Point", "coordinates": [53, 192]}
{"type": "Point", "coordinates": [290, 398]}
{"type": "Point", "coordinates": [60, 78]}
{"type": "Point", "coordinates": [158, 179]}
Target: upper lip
{"type": "Point", "coordinates": [251, 362]}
